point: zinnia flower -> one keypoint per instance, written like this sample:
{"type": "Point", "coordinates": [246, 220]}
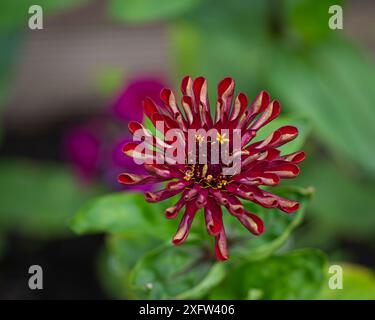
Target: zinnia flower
{"type": "Point", "coordinates": [203, 185]}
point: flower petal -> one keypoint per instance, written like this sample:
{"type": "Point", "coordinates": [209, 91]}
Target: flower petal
{"type": "Point", "coordinates": [295, 157]}
{"type": "Point", "coordinates": [213, 217]}
{"type": "Point", "coordinates": [252, 223]}
{"type": "Point", "coordinates": [132, 179]}
{"type": "Point", "coordinates": [221, 246]}
{"type": "Point", "coordinates": [185, 223]}
{"type": "Point", "coordinates": [172, 212]}
{"type": "Point", "coordinates": [239, 106]}
{"type": "Point", "coordinates": [270, 113]}
{"type": "Point", "coordinates": [225, 93]}
{"type": "Point", "coordinates": [160, 195]}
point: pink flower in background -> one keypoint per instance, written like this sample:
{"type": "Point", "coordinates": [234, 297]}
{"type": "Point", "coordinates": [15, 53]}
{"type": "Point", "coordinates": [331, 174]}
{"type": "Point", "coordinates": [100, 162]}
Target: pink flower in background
{"type": "Point", "coordinates": [94, 149]}
{"type": "Point", "coordinates": [82, 148]}
{"type": "Point", "coordinates": [129, 103]}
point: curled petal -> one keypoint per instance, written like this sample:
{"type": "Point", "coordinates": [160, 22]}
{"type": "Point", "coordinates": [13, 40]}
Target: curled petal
{"type": "Point", "coordinates": [260, 102]}
{"type": "Point", "coordinates": [130, 150]}
{"type": "Point", "coordinates": [239, 106]}
{"type": "Point", "coordinates": [167, 120]}
{"type": "Point", "coordinates": [136, 127]}
{"type": "Point", "coordinates": [160, 171]}
{"type": "Point", "coordinates": [200, 91]}
{"type": "Point", "coordinates": [178, 185]}
{"type": "Point", "coordinates": [268, 142]}
{"type": "Point", "coordinates": [283, 170]}
{"type": "Point", "coordinates": [270, 113]}
{"type": "Point", "coordinates": [172, 212]}
{"type": "Point", "coordinates": [247, 137]}
{"type": "Point", "coordinates": [295, 157]}
{"type": "Point", "coordinates": [219, 115]}
{"type": "Point", "coordinates": [269, 155]}
{"type": "Point", "coordinates": [252, 223]}
{"type": "Point", "coordinates": [263, 198]}
{"type": "Point", "coordinates": [191, 193]}
{"type": "Point", "coordinates": [225, 93]}
{"type": "Point", "coordinates": [185, 223]}
{"type": "Point", "coordinates": [132, 179]}
{"type": "Point", "coordinates": [283, 204]}
{"type": "Point", "coordinates": [213, 217]}
{"type": "Point", "coordinates": [187, 86]}
{"type": "Point", "coordinates": [221, 246]}
{"type": "Point", "coordinates": [149, 107]}
{"type": "Point", "coordinates": [288, 133]}
{"type": "Point", "coordinates": [287, 205]}
{"type": "Point", "coordinates": [187, 104]}
{"type": "Point", "coordinates": [202, 198]}
{"type": "Point", "coordinates": [160, 195]}
{"type": "Point", "coordinates": [167, 96]}
{"type": "Point", "coordinates": [259, 178]}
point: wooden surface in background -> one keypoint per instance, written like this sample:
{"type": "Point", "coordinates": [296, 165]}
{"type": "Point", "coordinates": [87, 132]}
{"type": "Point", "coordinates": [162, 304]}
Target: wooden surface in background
{"type": "Point", "coordinates": [58, 67]}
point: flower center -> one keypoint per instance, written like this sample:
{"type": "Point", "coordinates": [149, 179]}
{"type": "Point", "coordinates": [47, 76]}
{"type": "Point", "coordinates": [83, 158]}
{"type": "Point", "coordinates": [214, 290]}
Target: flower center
{"type": "Point", "coordinates": [207, 175]}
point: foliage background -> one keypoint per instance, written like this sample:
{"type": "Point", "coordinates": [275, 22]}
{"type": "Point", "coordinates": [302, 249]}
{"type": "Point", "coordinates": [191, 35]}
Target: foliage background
{"type": "Point", "coordinates": [69, 72]}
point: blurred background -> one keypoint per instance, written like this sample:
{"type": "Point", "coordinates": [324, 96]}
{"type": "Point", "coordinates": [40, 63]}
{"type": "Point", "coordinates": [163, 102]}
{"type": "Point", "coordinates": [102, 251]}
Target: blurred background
{"type": "Point", "coordinates": [67, 92]}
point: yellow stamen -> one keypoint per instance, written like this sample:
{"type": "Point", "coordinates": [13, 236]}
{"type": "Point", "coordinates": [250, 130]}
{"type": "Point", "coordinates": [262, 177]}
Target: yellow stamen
{"type": "Point", "coordinates": [199, 138]}
{"type": "Point", "coordinates": [221, 138]}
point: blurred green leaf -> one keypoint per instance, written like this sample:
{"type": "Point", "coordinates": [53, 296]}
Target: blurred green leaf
{"type": "Point", "coordinates": [198, 55]}
{"type": "Point", "coordinates": [324, 86]}
{"type": "Point", "coordinates": [308, 19]}
{"type": "Point", "coordinates": [38, 199]}
{"type": "Point", "coordinates": [10, 45]}
{"type": "Point", "coordinates": [215, 275]}
{"type": "Point", "coordinates": [354, 212]}
{"type": "Point", "coordinates": [358, 284]}
{"type": "Point", "coordinates": [110, 80]}
{"type": "Point", "coordinates": [122, 213]}
{"type": "Point", "coordinates": [279, 226]}
{"type": "Point", "coordinates": [119, 256]}
{"type": "Point", "coordinates": [15, 14]}
{"type": "Point", "coordinates": [184, 272]}
{"type": "Point", "coordinates": [149, 10]}
{"type": "Point", "coordinates": [295, 275]}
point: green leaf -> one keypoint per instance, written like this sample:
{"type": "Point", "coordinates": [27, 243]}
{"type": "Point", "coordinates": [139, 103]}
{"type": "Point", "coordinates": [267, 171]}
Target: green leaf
{"type": "Point", "coordinates": [122, 213]}
{"type": "Point", "coordinates": [325, 86]}
{"type": "Point", "coordinates": [109, 81]}
{"type": "Point", "coordinates": [149, 10]}
{"type": "Point", "coordinates": [10, 44]}
{"type": "Point", "coordinates": [295, 275]}
{"type": "Point", "coordinates": [184, 272]}
{"type": "Point", "coordinates": [215, 275]}
{"type": "Point", "coordinates": [353, 214]}
{"type": "Point", "coordinates": [279, 226]}
{"type": "Point", "coordinates": [38, 199]}
{"type": "Point", "coordinates": [358, 284]}
{"type": "Point", "coordinates": [118, 257]}
{"type": "Point", "coordinates": [308, 18]}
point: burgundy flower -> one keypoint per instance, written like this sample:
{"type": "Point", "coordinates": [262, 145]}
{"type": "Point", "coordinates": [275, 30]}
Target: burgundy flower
{"type": "Point", "coordinates": [203, 185]}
